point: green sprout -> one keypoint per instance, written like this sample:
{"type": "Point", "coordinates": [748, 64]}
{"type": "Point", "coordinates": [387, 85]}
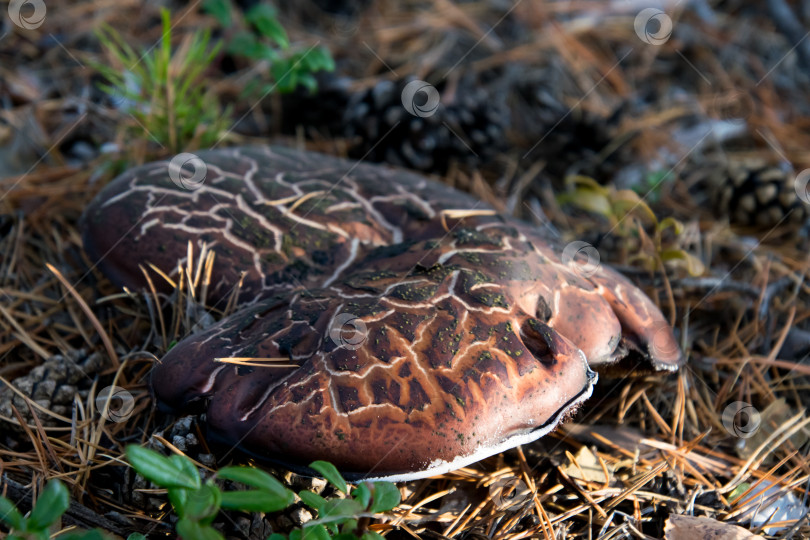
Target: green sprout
{"type": "Point", "coordinates": [197, 503]}
{"type": "Point", "coordinates": [52, 503]}
{"type": "Point", "coordinates": [161, 88]}
{"type": "Point", "coordinates": [265, 39]}
{"type": "Point", "coordinates": [627, 212]}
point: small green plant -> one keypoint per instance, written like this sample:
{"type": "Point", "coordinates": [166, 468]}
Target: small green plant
{"type": "Point", "coordinates": [627, 212]}
{"type": "Point", "coordinates": [265, 39]}
{"type": "Point", "coordinates": [52, 503]}
{"type": "Point", "coordinates": [344, 519]}
{"type": "Point", "coordinates": [161, 88]}
{"type": "Point", "coordinates": [198, 502]}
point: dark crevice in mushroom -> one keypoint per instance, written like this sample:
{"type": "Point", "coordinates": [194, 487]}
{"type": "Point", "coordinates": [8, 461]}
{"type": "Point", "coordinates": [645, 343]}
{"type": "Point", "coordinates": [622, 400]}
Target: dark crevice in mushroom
{"type": "Point", "coordinates": [537, 338]}
{"type": "Point", "coordinates": [543, 310]}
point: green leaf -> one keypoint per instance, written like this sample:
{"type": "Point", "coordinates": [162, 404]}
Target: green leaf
{"type": "Point", "coordinates": [165, 52]}
{"type": "Point", "coordinates": [52, 503]}
{"type": "Point", "coordinates": [286, 80]}
{"type": "Point", "coordinates": [276, 536]}
{"type": "Point", "coordinates": [335, 508]}
{"type": "Point", "coordinates": [249, 46]}
{"type": "Point", "coordinates": [256, 501]}
{"type": "Point", "coordinates": [312, 499]}
{"type": "Point", "coordinates": [270, 496]}
{"type": "Point", "coordinates": [693, 265]}
{"type": "Point", "coordinates": [295, 534]}
{"type": "Point", "coordinates": [386, 497]}
{"type": "Point", "coordinates": [362, 494]}
{"type": "Point", "coordinates": [315, 532]}
{"type": "Point", "coordinates": [10, 515]}
{"type": "Point", "coordinates": [348, 526]}
{"type": "Point", "coordinates": [592, 201]}
{"type": "Point", "coordinates": [253, 477]}
{"type": "Point", "coordinates": [668, 222]}
{"type": "Point", "coordinates": [203, 504]}
{"type": "Point", "coordinates": [191, 530]}
{"type": "Point", "coordinates": [178, 497]}
{"type": "Point", "coordinates": [161, 470]}
{"type": "Point", "coordinates": [186, 467]}
{"type": "Point", "coordinates": [317, 59]}
{"type": "Point", "coordinates": [738, 491]}
{"type": "Point", "coordinates": [136, 536]}
{"type": "Point", "coordinates": [627, 202]}
{"type": "Point", "coordinates": [331, 474]}
{"type": "Point", "coordinates": [327, 63]}
{"type": "Point", "coordinates": [220, 9]}
{"type": "Point", "coordinates": [579, 181]}
{"type": "Point", "coordinates": [308, 81]}
{"type": "Point", "coordinates": [263, 17]}
{"type": "Point", "coordinates": [371, 535]}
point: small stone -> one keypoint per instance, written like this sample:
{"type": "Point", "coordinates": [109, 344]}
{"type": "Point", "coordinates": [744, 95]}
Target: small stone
{"type": "Point", "coordinates": [300, 516]}
{"type": "Point", "coordinates": [242, 525]}
{"type": "Point", "coordinates": [284, 523]}
{"type": "Point", "coordinates": [260, 527]}
{"type": "Point", "coordinates": [316, 485]}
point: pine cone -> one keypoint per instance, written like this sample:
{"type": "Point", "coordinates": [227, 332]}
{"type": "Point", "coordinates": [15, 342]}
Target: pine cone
{"type": "Point", "coordinates": [52, 385]}
{"type": "Point", "coordinates": [754, 193]}
{"type": "Point", "coordinates": [321, 110]}
{"type": "Point", "coordinates": [570, 141]}
{"type": "Point", "coordinates": [468, 130]}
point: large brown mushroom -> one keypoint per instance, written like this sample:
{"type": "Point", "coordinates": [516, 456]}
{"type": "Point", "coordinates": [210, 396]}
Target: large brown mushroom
{"type": "Point", "coordinates": [419, 330]}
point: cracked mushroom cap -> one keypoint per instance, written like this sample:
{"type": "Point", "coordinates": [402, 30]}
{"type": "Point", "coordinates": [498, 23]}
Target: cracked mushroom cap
{"type": "Point", "coordinates": [393, 326]}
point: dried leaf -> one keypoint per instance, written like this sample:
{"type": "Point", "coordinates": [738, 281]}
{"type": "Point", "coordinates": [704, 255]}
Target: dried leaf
{"type": "Point", "coordinates": [585, 466]}
{"type": "Point", "coordinates": [703, 528]}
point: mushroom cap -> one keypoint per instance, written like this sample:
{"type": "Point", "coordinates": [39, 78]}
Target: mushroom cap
{"type": "Point", "coordinates": [403, 370]}
{"type": "Point", "coordinates": [284, 218]}
{"type": "Point", "coordinates": [416, 340]}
